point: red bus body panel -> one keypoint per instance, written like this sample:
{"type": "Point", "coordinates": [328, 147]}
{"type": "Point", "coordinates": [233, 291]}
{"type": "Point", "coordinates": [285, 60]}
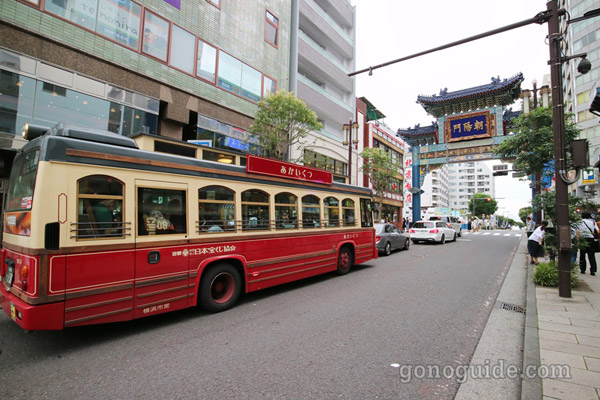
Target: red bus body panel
{"type": "Point", "coordinates": [120, 285]}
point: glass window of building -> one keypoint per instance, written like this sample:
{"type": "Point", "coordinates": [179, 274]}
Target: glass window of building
{"type": "Point", "coordinates": [271, 29]}
{"type": "Point", "coordinates": [25, 99]}
{"type": "Point", "coordinates": [216, 3]}
{"type": "Point", "coordinates": [99, 207]}
{"type": "Point", "coordinates": [286, 211]}
{"type": "Point", "coordinates": [331, 212]}
{"type": "Point", "coordinates": [239, 78]}
{"type": "Point", "coordinates": [207, 61]}
{"type": "Point", "coordinates": [218, 157]}
{"type": "Point", "coordinates": [216, 209]}
{"type": "Point", "coordinates": [269, 86]}
{"type": "Point", "coordinates": [311, 212]}
{"type": "Point", "coordinates": [16, 101]}
{"type": "Point", "coordinates": [119, 22]}
{"type": "Point", "coordinates": [348, 212]}
{"type": "Point", "coordinates": [156, 36]}
{"type": "Point", "coordinates": [255, 210]}
{"type": "Point", "coordinates": [183, 48]}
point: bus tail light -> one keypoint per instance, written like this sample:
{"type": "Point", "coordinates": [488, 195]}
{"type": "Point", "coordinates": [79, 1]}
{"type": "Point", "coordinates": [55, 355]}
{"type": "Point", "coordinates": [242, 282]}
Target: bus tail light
{"type": "Point", "coordinates": [24, 271]}
{"type": "Point", "coordinates": [24, 285]}
{"type": "Point", "coordinates": [377, 238]}
{"type": "Point", "coordinates": [2, 262]}
{"type": "Point", "coordinates": [434, 231]}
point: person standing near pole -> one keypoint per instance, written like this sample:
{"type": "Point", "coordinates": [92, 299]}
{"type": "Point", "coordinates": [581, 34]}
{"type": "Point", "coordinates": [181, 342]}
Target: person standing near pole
{"type": "Point", "coordinates": [587, 229]}
{"type": "Point", "coordinates": [530, 224]}
{"type": "Point", "coordinates": [535, 243]}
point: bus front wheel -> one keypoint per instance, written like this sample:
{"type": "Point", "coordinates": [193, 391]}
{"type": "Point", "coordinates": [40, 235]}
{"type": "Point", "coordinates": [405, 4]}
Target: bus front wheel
{"type": "Point", "coordinates": [345, 261]}
{"type": "Point", "coordinates": [220, 288]}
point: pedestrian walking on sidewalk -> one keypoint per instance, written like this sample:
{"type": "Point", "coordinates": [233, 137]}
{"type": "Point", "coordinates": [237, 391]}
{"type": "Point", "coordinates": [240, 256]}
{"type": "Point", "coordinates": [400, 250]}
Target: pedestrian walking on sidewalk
{"type": "Point", "coordinates": [535, 243]}
{"type": "Point", "coordinates": [588, 230]}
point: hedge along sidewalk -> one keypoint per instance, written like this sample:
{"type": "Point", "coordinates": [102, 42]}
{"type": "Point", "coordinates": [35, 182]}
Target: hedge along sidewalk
{"type": "Point", "coordinates": [569, 334]}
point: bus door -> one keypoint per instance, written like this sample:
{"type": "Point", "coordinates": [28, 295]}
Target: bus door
{"type": "Point", "coordinates": [161, 253]}
{"type": "Point", "coordinates": [98, 278]}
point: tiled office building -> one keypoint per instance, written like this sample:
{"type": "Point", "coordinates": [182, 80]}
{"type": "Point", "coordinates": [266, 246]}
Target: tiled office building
{"type": "Point", "coordinates": [177, 68]}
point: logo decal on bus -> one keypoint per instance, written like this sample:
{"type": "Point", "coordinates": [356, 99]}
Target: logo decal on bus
{"type": "Point", "coordinates": [159, 307]}
{"type": "Point", "coordinates": [204, 250]}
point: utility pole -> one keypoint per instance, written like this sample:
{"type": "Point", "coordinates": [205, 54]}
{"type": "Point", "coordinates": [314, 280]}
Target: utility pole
{"type": "Point", "coordinates": [558, 126]}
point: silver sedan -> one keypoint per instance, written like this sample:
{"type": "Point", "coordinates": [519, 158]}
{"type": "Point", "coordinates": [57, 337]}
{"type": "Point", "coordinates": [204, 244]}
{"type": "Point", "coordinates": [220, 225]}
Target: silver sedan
{"type": "Point", "coordinates": [388, 238]}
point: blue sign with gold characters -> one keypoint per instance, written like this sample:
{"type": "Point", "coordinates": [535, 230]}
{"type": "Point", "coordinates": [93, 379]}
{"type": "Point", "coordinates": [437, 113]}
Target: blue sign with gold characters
{"type": "Point", "coordinates": [468, 126]}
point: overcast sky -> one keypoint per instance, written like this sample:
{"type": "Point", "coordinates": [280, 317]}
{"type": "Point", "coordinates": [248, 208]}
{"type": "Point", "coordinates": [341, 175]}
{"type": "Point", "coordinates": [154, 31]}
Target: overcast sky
{"type": "Point", "coordinates": [391, 29]}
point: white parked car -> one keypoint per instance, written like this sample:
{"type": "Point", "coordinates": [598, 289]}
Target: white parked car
{"type": "Point", "coordinates": [452, 221]}
{"type": "Point", "coordinates": [432, 231]}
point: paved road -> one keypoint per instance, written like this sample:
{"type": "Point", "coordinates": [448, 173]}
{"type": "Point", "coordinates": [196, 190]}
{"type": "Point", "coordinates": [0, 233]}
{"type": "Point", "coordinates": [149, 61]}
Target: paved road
{"type": "Point", "coordinates": [322, 338]}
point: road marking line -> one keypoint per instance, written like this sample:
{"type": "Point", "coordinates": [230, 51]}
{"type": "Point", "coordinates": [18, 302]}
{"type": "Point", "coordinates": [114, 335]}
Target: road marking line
{"type": "Point", "coordinates": [496, 234]}
{"type": "Point", "coordinates": [507, 234]}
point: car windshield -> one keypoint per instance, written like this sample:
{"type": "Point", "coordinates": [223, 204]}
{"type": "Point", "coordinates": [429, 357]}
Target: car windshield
{"type": "Point", "coordinates": [379, 228]}
{"type": "Point", "coordinates": [423, 225]}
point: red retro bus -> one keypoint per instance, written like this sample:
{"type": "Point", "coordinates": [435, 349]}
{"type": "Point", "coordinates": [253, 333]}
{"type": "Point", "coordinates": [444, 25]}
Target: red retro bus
{"type": "Point", "coordinates": [98, 230]}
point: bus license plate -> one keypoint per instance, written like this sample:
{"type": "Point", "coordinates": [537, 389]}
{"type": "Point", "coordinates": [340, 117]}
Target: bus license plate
{"type": "Point", "coordinates": [13, 312]}
{"type": "Point", "coordinates": [10, 274]}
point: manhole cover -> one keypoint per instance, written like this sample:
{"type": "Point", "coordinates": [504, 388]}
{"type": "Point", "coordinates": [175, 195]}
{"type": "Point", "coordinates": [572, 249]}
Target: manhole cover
{"type": "Point", "coordinates": [512, 307]}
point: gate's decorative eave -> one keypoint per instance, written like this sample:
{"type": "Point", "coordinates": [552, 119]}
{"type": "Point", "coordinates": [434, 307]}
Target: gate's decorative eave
{"type": "Point", "coordinates": [497, 93]}
{"type": "Point", "coordinates": [419, 135]}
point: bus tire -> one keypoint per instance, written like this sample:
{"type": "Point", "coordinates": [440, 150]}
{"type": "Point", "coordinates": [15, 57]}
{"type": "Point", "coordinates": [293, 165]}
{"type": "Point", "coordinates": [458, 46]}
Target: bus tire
{"type": "Point", "coordinates": [345, 260]}
{"type": "Point", "coordinates": [220, 288]}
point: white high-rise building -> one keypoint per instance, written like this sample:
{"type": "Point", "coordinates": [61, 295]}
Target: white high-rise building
{"type": "Point", "coordinates": [466, 179]}
{"type": "Point", "coordinates": [583, 37]}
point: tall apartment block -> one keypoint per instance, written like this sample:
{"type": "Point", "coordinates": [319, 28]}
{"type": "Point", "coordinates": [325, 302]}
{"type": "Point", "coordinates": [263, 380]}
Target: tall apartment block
{"type": "Point", "coordinates": [322, 54]}
{"type": "Point", "coordinates": [583, 37]}
{"type": "Point", "coordinates": [467, 179]}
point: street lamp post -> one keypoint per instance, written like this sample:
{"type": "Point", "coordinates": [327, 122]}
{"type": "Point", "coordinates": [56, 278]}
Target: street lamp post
{"type": "Point", "coordinates": [351, 140]}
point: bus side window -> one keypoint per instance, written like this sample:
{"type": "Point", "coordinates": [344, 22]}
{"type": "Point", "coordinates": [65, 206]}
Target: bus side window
{"type": "Point", "coordinates": [255, 210]}
{"type": "Point", "coordinates": [99, 207]}
{"type": "Point", "coordinates": [216, 208]}
{"type": "Point", "coordinates": [161, 211]}
{"type": "Point", "coordinates": [366, 213]}
{"type": "Point", "coordinates": [311, 212]}
{"type": "Point", "coordinates": [348, 212]}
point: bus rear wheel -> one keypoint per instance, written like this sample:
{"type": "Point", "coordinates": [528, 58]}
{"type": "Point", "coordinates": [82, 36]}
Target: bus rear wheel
{"type": "Point", "coordinates": [345, 261]}
{"type": "Point", "coordinates": [220, 288]}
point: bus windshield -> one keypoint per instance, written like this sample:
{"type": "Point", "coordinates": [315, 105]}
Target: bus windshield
{"type": "Point", "coordinates": [22, 182]}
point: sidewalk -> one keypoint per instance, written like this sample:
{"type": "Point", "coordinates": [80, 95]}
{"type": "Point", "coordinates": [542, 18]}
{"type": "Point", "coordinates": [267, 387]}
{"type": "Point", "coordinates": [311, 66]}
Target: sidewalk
{"type": "Point", "coordinates": [569, 333]}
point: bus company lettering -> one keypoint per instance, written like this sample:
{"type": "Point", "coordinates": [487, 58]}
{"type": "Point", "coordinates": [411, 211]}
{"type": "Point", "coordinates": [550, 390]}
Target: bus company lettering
{"type": "Point", "coordinates": [160, 307]}
{"type": "Point", "coordinates": [298, 172]}
{"type": "Point", "coordinates": [205, 250]}
{"type": "Point", "coordinates": [351, 236]}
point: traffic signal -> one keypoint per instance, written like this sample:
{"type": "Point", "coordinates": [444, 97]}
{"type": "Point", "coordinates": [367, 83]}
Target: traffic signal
{"type": "Point", "coordinates": [500, 173]}
{"type": "Point", "coordinates": [488, 199]}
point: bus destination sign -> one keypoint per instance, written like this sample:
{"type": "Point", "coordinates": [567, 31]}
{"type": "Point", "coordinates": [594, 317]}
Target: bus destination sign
{"type": "Point", "coordinates": [281, 169]}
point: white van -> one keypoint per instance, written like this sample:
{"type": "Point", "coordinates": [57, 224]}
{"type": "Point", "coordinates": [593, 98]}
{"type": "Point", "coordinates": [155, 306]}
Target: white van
{"type": "Point", "coordinates": [452, 221]}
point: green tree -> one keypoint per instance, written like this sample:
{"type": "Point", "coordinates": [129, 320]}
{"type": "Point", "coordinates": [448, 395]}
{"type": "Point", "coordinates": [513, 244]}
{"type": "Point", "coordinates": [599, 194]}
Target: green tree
{"type": "Point", "coordinates": [282, 122]}
{"type": "Point", "coordinates": [484, 205]}
{"type": "Point", "coordinates": [524, 212]}
{"type": "Point", "coordinates": [547, 203]}
{"type": "Point", "coordinates": [531, 147]}
{"type": "Point", "coordinates": [380, 169]}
